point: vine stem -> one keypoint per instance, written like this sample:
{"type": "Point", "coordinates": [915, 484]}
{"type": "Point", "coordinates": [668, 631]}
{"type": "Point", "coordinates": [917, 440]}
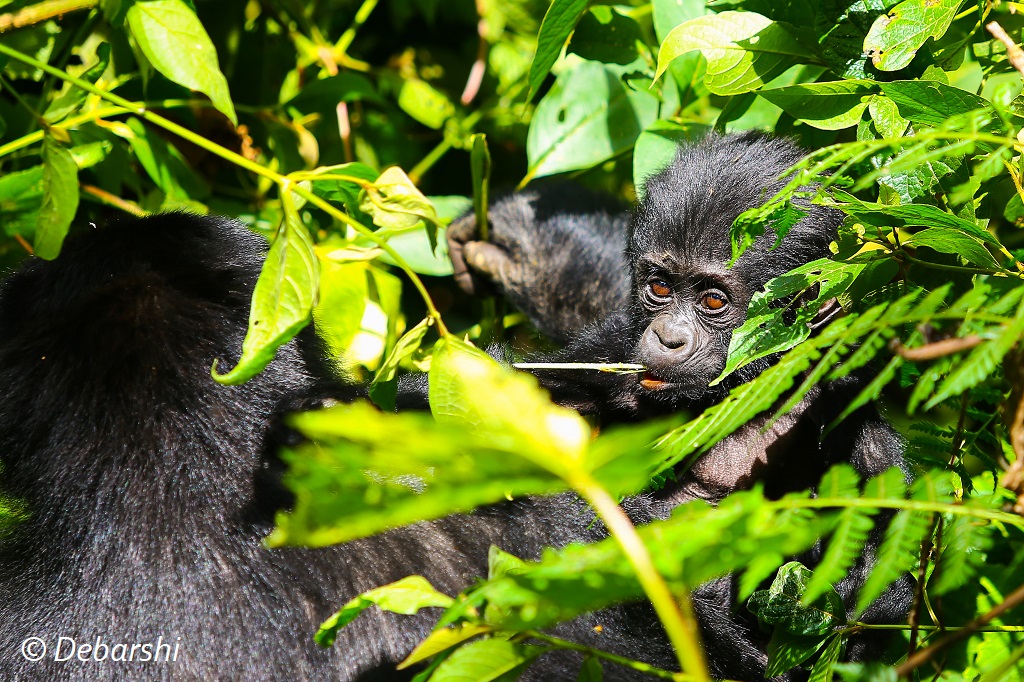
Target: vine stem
{"type": "Point", "coordinates": [280, 180]}
{"type": "Point", "coordinates": [34, 14]}
{"type": "Point", "coordinates": [674, 611]}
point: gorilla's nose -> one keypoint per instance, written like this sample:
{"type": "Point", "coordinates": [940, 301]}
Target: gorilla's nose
{"type": "Point", "coordinates": [671, 337]}
{"type": "Point", "coordinates": [665, 346]}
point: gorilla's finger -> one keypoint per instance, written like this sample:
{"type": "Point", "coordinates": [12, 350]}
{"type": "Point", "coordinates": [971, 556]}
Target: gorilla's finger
{"type": "Point", "coordinates": [488, 260]}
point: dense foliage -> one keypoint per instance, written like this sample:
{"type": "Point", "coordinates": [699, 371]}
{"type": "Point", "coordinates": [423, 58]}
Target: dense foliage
{"type": "Point", "coordinates": [299, 118]}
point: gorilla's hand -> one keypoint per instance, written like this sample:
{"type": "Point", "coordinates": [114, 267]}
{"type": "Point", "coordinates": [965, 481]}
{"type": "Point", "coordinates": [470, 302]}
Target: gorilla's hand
{"type": "Point", "coordinates": [555, 252]}
{"type": "Point", "coordinates": [479, 264]}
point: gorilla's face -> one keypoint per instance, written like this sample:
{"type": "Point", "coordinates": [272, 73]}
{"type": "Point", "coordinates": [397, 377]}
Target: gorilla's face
{"type": "Point", "coordinates": [684, 313]}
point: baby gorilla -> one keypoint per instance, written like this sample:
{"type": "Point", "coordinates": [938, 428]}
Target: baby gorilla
{"type": "Point", "coordinates": [656, 290]}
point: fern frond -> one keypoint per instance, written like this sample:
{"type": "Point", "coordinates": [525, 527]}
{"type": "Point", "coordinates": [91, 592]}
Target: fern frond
{"type": "Point", "coordinates": [981, 362]}
{"type": "Point", "coordinates": [964, 544]}
{"type": "Point", "coordinates": [896, 555]}
{"type": "Point", "coordinates": [844, 547]}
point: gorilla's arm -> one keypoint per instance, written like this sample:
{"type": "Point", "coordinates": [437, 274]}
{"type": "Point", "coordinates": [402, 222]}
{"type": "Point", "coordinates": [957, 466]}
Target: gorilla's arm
{"type": "Point", "coordinates": [555, 252]}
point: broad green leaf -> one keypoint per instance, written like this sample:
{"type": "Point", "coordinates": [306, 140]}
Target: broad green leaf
{"type": "Point", "coordinates": [604, 35]}
{"type": "Point", "coordinates": [406, 346]}
{"type": "Point", "coordinates": [341, 304]}
{"type": "Point", "coordinates": [394, 202]}
{"type": "Point", "coordinates": [60, 199]}
{"type": "Point", "coordinates": [442, 640]}
{"type": "Point", "coordinates": [930, 103]}
{"type": "Point", "coordinates": [424, 103]}
{"type": "Point", "coordinates": [463, 383]}
{"type": "Point", "coordinates": [895, 38]}
{"type": "Point", "coordinates": [785, 604]}
{"type": "Point", "coordinates": [744, 50]}
{"type": "Point", "coordinates": [842, 43]}
{"type": "Point", "coordinates": [670, 13]}
{"type": "Point", "coordinates": [591, 670]}
{"type": "Point", "coordinates": [588, 117]}
{"type": "Point", "coordinates": [283, 300]}
{"type": "Point", "coordinates": [909, 215]}
{"type": "Point", "coordinates": [886, 117]}
{"type": "Point", "coordinates": [945, 240]}
{"type": "Point", "coordinates": [828, 106]}
{"type": "Point", "coordinates": [824, 669]}
{"type": "Point", "coordinates": [558, 23]}
{"type": "Point", "coordinates": [786, 650]}
{"type": "Point", "coordinates": [486, 660]}
{"type": "Point", "coordinates": [174, 41]}
{"type": "Point", "coordinates": [406, 596]}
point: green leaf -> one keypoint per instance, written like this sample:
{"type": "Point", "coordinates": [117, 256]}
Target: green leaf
{"type": "Point", "coordinates": [894, 38]}
{"type": "Point", "coordinates": [824, 669]}
{"type": "Point", "coordinates": [604, 35]}
{"type": "Point", "coordinates": [425, 103]}
{"type": "Point", "coordinates": [957, 243]}
{"type": "Point", "coordinates": [786, 650]}
{"type": "Point", "coordinates": [406, 346]}
{"type": "Point", "coordinates": [366, 471]}
{"type": "Point", "coordinates": [341, 304]}
{"type": "Point", "coordinates": [588, 117]}
{"type": "Point", "coordinates": [60, 199]}
{"type": "Point", "coordinates": [486, 660]}
{"type": "Point", "coordinates": [463, 382]}
{"type": "Point", "coordinates": [767, 331]}
{"type": "Point", "coordinates": [931, 103]}
{"type": "Point", "coordinates": [895, 557]}
{"type": "Point", "coordinates": [744, 50]}
{"type": "Point", "coordinates": [394, 202]}
{"type": "Point", "coordinates": [981, 362]}
{"type": "Point", "coordinates": [558, 23]}
{"type": "Point", "coordinates": [845, 545]}
{"type": "Point", "coordinates": [786, 606]}
{"type": "Point", "coordinates": [443, 640]}
{"type": "Point", "coordinates": [174, 41]}
{"type": "Point", "coordinates": [406, 596]}
{"type": "Point", "coordinates": [591, 670]}
{"type": "Point", "coordinates": [283, 300]}
{"type": "Point", "coordinates": [828, 106]}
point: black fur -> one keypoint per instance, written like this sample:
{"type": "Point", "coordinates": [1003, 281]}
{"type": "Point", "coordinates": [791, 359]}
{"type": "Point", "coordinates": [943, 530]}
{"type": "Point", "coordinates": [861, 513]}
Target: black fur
{"type": "Point", "coordinates": [149, 487]}
{"type": "Point", "coordinates": [676, 251]}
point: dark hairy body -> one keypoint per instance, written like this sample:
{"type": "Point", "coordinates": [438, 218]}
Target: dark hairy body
{"type": "Point", "coordinates": [669, 302]}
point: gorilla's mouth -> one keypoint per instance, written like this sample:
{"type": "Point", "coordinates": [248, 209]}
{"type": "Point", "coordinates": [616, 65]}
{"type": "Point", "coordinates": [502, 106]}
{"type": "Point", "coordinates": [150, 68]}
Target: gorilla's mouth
{"type": "Point", "coordinates": [652, 382]}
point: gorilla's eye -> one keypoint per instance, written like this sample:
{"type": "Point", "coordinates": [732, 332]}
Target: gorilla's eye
{"type": "Point", "coordinates": [659, 288]}
{"type": "Point", "coordinates": [714, 300]}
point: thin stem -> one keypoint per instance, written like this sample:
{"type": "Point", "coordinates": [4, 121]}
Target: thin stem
{"type": "Point", "coordinates": [605, 656]}
{"type": "Point", "coordinates": [40, 12]}
{"type": "Point", "coordinates": [362, 14]}
{"type": "Point", "coordinates": [675, 612]}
